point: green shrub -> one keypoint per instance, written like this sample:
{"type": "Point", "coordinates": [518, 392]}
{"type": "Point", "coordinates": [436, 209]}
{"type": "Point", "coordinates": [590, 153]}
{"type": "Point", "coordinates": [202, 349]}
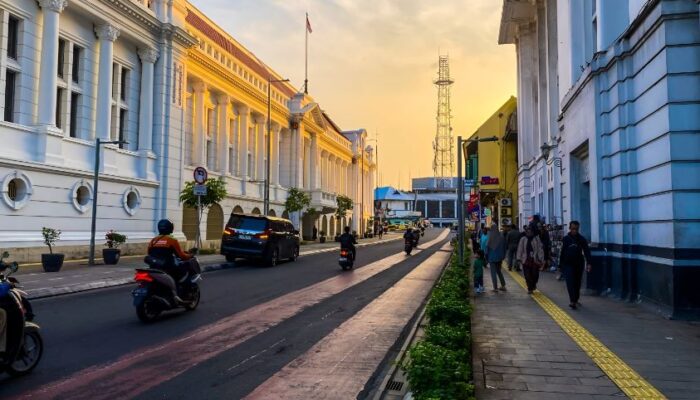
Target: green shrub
{"type": "Point", "coordinates": [448, 336]}
{"type": "Point", "coordinates": [439, 365]}
{"type": "Point", "coordinates": [437, 372]}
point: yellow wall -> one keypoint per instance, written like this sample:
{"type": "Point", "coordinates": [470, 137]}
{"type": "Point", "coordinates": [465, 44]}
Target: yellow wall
{"type": "Point", "coordinates": [499, 159]}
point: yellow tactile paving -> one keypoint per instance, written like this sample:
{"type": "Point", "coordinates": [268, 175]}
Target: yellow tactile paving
{"type": "Point", "coordinates": [629, 381]}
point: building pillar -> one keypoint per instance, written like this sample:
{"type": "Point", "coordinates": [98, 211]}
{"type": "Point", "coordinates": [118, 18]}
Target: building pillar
{"type": "Point", "coordinates": [222, 142]}
{"type": "Point", "coordinates": [148, 58]}
{"type": "Point", "coordinates": [106, 34]}
{"type": "Point", "coordinates": [313, 155]}
{"type": "Point", "coordinates": [260, 147]}
{"type": "Point", "coordinates": [275, 168]}
{"type": "Point", "coordinates": [199, 148]}
{"type": "Point", "coordinates": [243, 118]}
{"type": "Point", "coordinates": [48, 78]}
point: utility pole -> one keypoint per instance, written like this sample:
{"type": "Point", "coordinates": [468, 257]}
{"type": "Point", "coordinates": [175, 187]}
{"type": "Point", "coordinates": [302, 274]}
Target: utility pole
{"type": "Point", "coordinates": [460, 200]}
{"type": "Point", "coordinates": [95, 182]}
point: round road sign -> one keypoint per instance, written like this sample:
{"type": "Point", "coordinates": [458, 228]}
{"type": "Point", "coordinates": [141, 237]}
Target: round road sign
{"type": "Point", "coordinates": [200, 175]}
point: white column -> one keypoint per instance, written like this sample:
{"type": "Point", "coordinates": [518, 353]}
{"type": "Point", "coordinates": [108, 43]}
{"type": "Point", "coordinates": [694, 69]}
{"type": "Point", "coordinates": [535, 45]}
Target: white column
{"type": "Point", "coordinates": [148, 58]}
{"type": "Point", "coordinates": [199, 147]}
{"type": "Point", "coordinates": [276, 129]}
{"type": "Point", "coordinates": [106, 34]}
{"type": "Point", "coordinates": [243, 117]}
{"type": "Point", "coordinates": [260, 127]}
{"type": "Point", "coordinates": [48, 75]}
{"type": "Point", "coordinates": [223, 140]}
{"type": "Point", "coordinates": [315, 181]}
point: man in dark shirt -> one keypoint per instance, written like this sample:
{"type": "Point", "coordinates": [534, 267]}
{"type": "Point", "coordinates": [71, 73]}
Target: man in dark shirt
{"type": "Point", "coordinates": [347, 241]}
{"type": "Point", "coordinates": [575, 254]}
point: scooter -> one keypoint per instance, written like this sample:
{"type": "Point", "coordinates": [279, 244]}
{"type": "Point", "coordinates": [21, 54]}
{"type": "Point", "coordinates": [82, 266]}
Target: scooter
{"type": "Point", "coordinates": [408, 246]}
{"type": "Point", "coordinates": [24, 345]}
{"type": "Point", "coordinates": [346, 259]}
{"type": "Point", "coordinates": [157, 291]}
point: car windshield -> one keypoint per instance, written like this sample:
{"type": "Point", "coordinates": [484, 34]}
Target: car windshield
{"type": "Point", "coordinates": [247, 223]}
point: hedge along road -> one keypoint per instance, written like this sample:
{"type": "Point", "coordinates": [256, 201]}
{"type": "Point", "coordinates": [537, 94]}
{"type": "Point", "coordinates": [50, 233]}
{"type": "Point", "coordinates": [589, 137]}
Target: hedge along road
{"type": "Point", "coordinates": [96, 328]}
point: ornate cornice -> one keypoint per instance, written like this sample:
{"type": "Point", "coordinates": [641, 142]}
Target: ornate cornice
{"type": "Point", "coordinates": [236, 81]}
{"type": "Point", "coordinates": [53, 5]}
{"type": "Point", "coordinates": [148, 55]}
{"type": "Point", "coordinates": [107, 32]}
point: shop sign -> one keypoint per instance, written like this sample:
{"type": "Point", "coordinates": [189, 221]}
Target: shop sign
{"type": "Point", "coordinates": [487, 180]}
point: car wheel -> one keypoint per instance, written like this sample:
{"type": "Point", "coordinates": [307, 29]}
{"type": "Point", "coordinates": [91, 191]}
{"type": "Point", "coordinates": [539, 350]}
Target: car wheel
{"type": "Point", "coordinates": [230, 258]}
{"type": "Point", "coordinates": [273, 258]}
{"type": "Point", "coordinates": [295, 254]}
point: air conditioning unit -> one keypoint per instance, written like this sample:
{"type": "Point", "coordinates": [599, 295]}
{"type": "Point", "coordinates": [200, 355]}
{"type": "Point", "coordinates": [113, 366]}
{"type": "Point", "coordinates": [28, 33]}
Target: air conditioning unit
{"type": "Point", "coordinates": [506, 202]}
{"type": "Point", "coordinates": [506, 211]}
{"type": "Point", "coordinates": [506, 221]}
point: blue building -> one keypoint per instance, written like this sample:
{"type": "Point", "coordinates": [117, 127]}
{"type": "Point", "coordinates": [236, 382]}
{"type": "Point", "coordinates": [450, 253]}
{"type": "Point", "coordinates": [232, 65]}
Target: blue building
{"type": "Point", "coordinates": [609, 134]}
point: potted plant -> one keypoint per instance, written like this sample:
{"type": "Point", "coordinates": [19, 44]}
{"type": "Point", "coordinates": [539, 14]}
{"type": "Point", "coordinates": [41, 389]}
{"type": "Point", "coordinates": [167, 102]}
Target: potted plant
{"type": "Point", "coordinates": [322, 237]}
{"type": "Point", "coordinates": [113, 240]}
{"type": "Point", "coordinates": [51, 262]}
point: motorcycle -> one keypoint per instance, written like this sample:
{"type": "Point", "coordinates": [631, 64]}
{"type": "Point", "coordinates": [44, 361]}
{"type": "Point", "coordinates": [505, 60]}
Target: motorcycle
{"type": "Point", "coordinates": [24, 345]}
{"type": "Point", "coordinates": [408, 246]}
{"type": "Point", "coordinates": [346, 259]}
{"type": "Point", "coordinates": [416, 236]}
{"type": "Point", "coordinates": [157, 291]}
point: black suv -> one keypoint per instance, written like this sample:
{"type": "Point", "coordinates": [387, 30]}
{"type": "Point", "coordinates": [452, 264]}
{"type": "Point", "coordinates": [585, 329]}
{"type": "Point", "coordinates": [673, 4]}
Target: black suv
{"type": "Point", "coordinates": [258, 237]}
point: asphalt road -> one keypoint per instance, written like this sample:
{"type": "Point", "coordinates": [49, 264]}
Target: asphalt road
{"type": "Point", "coordinates": [90, 331]}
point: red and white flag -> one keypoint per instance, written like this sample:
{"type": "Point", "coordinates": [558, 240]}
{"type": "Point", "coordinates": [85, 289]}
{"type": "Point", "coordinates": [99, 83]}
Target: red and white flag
{"type": "Point", "coordinates": [308, 24]}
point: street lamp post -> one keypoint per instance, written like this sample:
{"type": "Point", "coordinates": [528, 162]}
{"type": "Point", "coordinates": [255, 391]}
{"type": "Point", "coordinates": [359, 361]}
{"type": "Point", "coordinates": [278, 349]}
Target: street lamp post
{"type": "Point", "coordinates": [266, 196]}
{"type": "Point", "coordinates": [460, 201]}
{"type": "Point", "coordinates": [93, 223]}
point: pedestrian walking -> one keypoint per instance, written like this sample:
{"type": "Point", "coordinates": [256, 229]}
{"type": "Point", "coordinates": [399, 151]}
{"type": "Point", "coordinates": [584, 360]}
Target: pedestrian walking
{"type": "Point", "coordinates": [546, 246]}
{"type": "Point", "coordinates": [478, 268]}
{"type": "Point", "coordinates": [512, 240]}
{"type": "Point", "coordinates": [531, 257]}
{"type": "Point", "coordinates": [575, 255]}
{"type": "Point", "coordinates": [495, 253]}
{"type": "Point", "coordinates": [483, 239]}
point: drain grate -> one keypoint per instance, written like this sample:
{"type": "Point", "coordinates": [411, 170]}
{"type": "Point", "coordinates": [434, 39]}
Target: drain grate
{"type": "Point", "coordinates": [394, 385]}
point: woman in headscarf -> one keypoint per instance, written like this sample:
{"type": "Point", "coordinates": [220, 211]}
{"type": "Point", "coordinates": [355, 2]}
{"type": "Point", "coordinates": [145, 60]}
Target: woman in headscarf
{"type": "Point", "coordinates": [531, 257]}
{"type": "Point", "coordinates": [495, 253]}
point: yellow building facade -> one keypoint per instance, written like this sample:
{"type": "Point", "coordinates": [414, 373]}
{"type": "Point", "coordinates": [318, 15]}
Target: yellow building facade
{"type": "Point", "coordinates": [492, 164]}
{"type": "Point", "coordinates": [225, 102]}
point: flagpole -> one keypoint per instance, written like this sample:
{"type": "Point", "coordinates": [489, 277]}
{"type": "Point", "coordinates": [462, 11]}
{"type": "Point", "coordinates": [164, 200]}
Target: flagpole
{"type": "Point", "coordinates": [306, 56]}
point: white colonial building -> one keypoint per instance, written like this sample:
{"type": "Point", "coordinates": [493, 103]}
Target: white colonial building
{"type": "Point", "coordinates": [609, 134]}
{"type": "Point", "coordinates": [180, 92]}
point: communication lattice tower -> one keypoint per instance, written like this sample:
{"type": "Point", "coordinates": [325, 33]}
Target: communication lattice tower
{"type": "Point", "coordinates": [443, 146]}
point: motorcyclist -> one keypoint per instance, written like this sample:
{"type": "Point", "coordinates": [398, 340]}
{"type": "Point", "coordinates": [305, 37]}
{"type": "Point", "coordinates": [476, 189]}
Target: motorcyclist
{"type": "Point", "coordinates": [409, 235]}
{"type": "Point", "coordinates": [177, 263]}
{"type": "Point", "coordinates": [348, 241]}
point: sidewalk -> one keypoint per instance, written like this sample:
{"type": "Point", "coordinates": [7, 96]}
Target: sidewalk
{"type": "Point", "coordinates": [527, 347]}
{"type": "Point", "coordinates": [77, 276]}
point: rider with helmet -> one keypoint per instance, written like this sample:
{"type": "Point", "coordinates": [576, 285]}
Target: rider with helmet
{"type": "Point", "coordinates": [166, 248]}
{"type": "Point", "coordinates": [348, 241]}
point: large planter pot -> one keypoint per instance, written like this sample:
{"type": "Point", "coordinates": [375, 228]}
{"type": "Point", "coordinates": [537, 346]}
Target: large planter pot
{"type": "Point", "coordinates": [111, 256]}
{"type": "Point", "coordinates": [52, 262]}
{"type": "Point", "coordinates": [322, 239]}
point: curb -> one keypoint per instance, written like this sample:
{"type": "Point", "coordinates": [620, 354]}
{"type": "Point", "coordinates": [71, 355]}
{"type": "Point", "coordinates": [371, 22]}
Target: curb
{"type": "Point", "coordinates": [43, 293]}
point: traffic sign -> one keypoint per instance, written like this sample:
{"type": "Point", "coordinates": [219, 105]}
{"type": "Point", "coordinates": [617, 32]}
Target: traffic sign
{"type": "Point", "coordinates": [468, 183]}
{"type": "Point", "coordinates": [200, 175]}
{"type": "Point", "coordinates": [200, 190]}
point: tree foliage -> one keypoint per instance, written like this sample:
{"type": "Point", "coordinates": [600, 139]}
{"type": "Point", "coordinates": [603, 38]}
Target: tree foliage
{"type": "Point", "coordinates": [297, 200]}
{"type": "Point", "coordinates": [344, 204]}
{"type": "Point", "coordinates": [216, 192]}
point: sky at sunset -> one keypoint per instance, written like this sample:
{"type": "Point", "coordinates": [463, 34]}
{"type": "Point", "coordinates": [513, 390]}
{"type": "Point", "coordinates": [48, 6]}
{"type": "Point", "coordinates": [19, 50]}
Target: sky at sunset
{"type": "Point", "coordinates": [372, 63]}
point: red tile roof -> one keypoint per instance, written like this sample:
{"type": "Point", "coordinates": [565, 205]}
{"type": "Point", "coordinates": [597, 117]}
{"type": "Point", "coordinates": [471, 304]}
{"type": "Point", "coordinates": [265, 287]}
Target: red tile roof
{"type": "Point", "coordinates": [203, 26]}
